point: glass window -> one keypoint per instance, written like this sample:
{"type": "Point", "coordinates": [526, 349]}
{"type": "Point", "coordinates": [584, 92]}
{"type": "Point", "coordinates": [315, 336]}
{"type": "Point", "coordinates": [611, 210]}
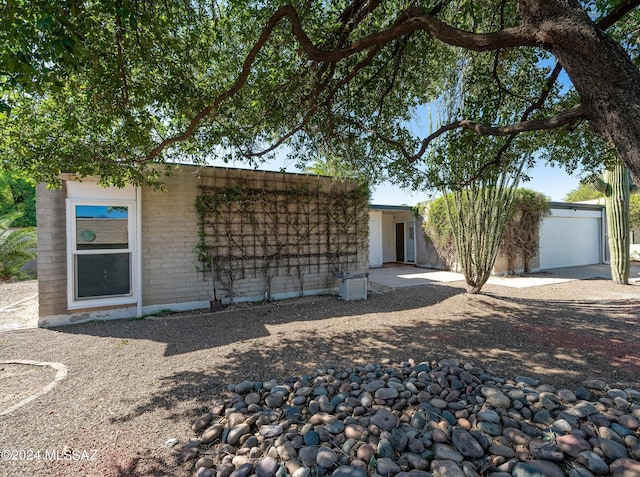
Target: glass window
{"type": "Point", "coordinates": [100, 227]}
{"type": "Point", "coordinates": [101, 253]}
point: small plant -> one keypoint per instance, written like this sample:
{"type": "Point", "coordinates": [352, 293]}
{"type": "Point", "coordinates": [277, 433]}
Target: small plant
{"type": "Point", "coordinates": [122, 344]}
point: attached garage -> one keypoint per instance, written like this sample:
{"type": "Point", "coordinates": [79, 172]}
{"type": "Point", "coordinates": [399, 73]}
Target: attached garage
{"type": "Point", "coordinates": [572, 236]}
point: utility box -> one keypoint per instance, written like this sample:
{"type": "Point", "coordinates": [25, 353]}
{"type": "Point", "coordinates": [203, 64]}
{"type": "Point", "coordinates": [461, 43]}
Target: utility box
{"type": "Point", "coordinates": [352, 286]}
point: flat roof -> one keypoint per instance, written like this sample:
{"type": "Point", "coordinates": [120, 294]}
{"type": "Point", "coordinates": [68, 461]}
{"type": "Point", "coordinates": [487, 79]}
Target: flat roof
{"type": "Point", "coordinates": [390, 207]}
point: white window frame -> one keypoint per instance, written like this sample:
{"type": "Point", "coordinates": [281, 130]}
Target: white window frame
{"type": "Point", "coordinates": [131, 298]}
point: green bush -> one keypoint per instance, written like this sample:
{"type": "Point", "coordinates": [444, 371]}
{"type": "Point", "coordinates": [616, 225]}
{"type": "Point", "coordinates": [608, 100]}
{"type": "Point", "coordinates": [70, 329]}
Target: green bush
{"type": "Point", "coordinates": [17, 247]}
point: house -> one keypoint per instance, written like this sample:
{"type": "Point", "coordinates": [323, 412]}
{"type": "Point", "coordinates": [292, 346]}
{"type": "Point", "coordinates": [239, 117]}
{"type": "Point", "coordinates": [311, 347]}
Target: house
{"type": "Point", "coordinates": [572, 234]}
{"type": "Point", "coordinates": [396, 235]}
{"type": "Point", "coordinates": [214, 235]}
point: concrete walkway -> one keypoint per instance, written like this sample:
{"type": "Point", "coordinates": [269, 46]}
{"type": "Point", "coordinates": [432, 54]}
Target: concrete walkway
{"type": "Point", "coordinates": [406, 276]}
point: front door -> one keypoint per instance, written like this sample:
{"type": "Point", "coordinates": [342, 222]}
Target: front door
{"type": "Point", "coordinates": [400, 242]}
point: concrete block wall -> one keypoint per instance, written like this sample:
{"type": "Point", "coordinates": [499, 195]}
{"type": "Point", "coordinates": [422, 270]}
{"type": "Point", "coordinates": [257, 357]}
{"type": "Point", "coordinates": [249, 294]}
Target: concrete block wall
{"type": "Point", "coordinates": [292, 275]}
{"type": "Point", "coordinates": [172, 276]}
{"type": "Point", "coordinates": [52, 250]}
{"type": "Point", "coordinates": [169, 237]}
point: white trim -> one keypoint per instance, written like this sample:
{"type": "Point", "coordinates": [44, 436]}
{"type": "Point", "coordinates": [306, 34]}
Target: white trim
{"type": "Point", "coordinates": [132, 228]}
{"type": "Point", "coordinates": [137, 276]}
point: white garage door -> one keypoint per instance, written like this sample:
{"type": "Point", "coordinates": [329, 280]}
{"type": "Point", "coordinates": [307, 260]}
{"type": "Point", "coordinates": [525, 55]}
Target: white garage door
{"type": "Point", "coordinates": [569, 242]}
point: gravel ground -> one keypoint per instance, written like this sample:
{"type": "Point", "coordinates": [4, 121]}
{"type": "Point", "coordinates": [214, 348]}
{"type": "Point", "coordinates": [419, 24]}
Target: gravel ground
{"type": "Point", "coordinates": [132, 385]}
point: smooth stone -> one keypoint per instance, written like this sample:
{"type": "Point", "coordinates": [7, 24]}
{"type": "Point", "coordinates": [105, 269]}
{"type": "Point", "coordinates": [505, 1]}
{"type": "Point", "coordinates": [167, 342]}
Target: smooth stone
{"type": "Point", "coordinates": [386, 466]}
{"type": "Point", "coordinates": [212, 433]}
{"type": "Point", "coordinates": [530, 469]}
{"type": "Point", "coordinates": [593, 462]}
{"type": "Point", "coordinates": [489, 415]}
{"type": "Point", "coordinates": [489, 428]}
{"type": "Point", "coordinates": [620, 430]}
{"type": "Point", "coordinates": [202, 422]}
{"type": "Point", "coordinates": [270, 430]}
{"type": "Point", "coordinates": [274, 400]}
{"type": "Point", "coordinates": [235, 433]}
{"type": "Point", "coordinates": [266, 467]}
{"type": "Point", "coordinates": [527, 381]}
{"type": "Point", "coordinates": [516, 436]}
{"type": "Point", "coordinates": [204, 472]}
{"type": "Point", "coordinates": [225, 469]}
{"type": "Point", "coordinates": [354, 431]}
{"type": "Point", "coordinates": [399, 439]}
{"type": "Point", "coordinates": [504, 451]}
{"type": "Point", "coordinates": [416, 461]}
{"type": "Point", "coordinates": [583, 393]}
{"type": "Point", "coordinates": [252, 398]}
{"type": "Point", "coordinates": [572, 445]}
{"type": "Point", "coordinates": [582, 409]}
{"type": "Point", "coordinates": [445, 452]}
{"type": "Point", "coordinates": [311, 438]}
{"type": "Point", "coordinates": [495, 397]}
{"type": "Point", "coordinates": [335, 427]}
{"type": "Point", "coordinates": [244, 387]}
{"type": "Point", "coordinates": [384, 419]}
{"type": "Point", "coordinates": [446, 467]}
{"type": "Point", "coordinates": [326, 457]}
{"type": "Point", "coordinates": [567, 395]}
{"type": "Point", "coordinates": [365, 452]}
{"type": "Point", "coordinates": [301, 472]}
{"type": "Point", "coordinates": [545, 451]}
{"type": "Point", "coordinates": [386, 393]}
{"type": "Point", "coordinates": [307, 455]}
{"type": "Point", "coordinates": [629, 421]}
{"type": "Point", "coordinates": [243, 470]}
{"type": "Point", "coordinates": [286, 451]}
{"type": "Point", "coordinates": [348, 471]}
{"type": "Point", "coordinates": [612, 449]}
{"type": "Point", "coordinates": [625, 468]}
{"type": "Point", "coordinates": [466, 444]}
{"type": "Point", "coordinates": [385, 449]}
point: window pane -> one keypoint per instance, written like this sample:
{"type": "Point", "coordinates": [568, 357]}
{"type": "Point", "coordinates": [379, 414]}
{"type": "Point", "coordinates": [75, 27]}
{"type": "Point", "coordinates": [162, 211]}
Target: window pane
{"type": "Point", "coordinates": [103, 275]}
{"type": "Point", "coordinates": [102, 227]}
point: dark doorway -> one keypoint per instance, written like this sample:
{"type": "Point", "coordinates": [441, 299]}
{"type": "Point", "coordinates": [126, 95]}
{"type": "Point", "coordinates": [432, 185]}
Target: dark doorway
{"type": "Point", "coordinates": [400, 242]}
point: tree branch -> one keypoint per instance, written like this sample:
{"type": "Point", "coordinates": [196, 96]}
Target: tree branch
{"type": "Point", "coordinates": [617, 13]}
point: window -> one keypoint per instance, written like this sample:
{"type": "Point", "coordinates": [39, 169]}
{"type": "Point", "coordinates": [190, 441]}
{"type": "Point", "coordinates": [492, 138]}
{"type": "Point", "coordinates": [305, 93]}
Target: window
{"type": "Point", "coordinates": [100, 260]}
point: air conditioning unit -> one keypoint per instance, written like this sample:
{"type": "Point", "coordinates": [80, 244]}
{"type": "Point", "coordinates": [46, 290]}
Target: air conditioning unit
{"type": "Point", "coordinates": [352, 286]}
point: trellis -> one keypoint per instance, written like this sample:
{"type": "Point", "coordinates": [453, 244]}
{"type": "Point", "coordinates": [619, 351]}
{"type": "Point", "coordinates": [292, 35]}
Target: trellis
{"type": "Point", "coordinates": [250, 229]}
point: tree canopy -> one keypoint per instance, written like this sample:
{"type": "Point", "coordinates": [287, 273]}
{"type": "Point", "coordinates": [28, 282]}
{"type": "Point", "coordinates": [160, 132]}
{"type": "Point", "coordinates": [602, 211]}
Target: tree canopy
{"type": "Point", "coordinates": [113, 87]}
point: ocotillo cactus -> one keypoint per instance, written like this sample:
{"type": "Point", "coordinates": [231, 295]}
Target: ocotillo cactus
{"type": "Point", "coordinates": [615, 186]}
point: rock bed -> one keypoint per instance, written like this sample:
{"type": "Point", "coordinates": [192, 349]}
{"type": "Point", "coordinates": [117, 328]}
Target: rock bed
{"type": "Point", "coordinates": [435, 419]}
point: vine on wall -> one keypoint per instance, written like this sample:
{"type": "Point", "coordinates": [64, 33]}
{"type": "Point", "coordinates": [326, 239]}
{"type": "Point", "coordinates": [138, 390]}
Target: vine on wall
{"type": "Point", "coordinates": [250, 231]}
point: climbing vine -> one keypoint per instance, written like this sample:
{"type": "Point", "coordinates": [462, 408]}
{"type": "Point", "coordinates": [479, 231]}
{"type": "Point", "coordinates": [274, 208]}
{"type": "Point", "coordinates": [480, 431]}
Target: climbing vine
{"type": "Point", "coordinates": [253, 230]}
{"type": "Point", "coordinates": [521, 238]}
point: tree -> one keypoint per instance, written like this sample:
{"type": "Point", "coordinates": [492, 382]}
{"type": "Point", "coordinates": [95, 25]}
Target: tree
{"type": "Point", "coordinates": [18, 194]}
{"type": "Point", "coordinates": [116, 86]}
{"type": "Point", "coordinates": [585, 191]}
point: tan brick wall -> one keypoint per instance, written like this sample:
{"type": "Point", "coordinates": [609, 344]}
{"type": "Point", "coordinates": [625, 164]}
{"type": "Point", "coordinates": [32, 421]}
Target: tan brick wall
{"type": "Point", "coordinates": [274, 218]}
{"type": "Point", "coordinates": [169, 237]}
{"type": "Point", "coordinates": [52, 250]}
{"type": "Point", "coordinates": [169, 227]}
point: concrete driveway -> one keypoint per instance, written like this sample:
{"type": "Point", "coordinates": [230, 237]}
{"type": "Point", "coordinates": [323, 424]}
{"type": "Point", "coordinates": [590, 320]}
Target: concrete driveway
{"type": "Point", "coordinates": [406, 276]}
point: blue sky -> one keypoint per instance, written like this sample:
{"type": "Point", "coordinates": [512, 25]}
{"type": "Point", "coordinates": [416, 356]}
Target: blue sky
{"type": "Point", "coordinates": [552, 182]}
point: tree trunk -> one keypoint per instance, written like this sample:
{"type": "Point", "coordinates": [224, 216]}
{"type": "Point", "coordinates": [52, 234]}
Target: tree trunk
{"type": "Point", "coordinates": [601, 70]}
{"type": "Point", "coordinates": [617, 205]}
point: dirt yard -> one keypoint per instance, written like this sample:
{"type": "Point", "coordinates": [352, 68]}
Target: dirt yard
{"type": "Point", "coordinates": [133, 385]}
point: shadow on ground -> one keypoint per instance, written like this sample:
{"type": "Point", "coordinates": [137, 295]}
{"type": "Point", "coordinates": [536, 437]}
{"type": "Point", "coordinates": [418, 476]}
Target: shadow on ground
{"type": "Point", "coordinates": [558, 342]}
{"type": "Point", "coordinates": [186, 334]}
